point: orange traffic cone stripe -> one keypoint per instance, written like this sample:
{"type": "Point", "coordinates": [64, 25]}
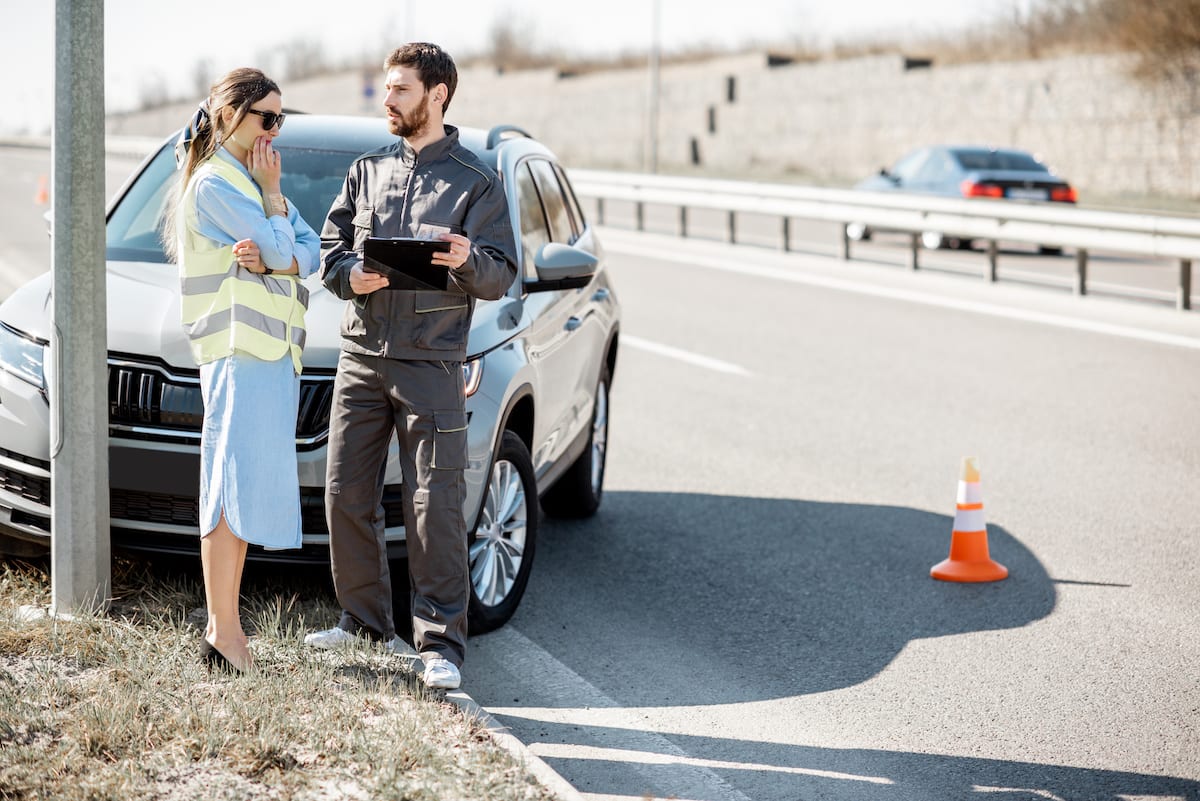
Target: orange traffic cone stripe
{"type": "Point", "coordinates": [969, 558]}
{"type": "Point", "coordinates": [42, 196]}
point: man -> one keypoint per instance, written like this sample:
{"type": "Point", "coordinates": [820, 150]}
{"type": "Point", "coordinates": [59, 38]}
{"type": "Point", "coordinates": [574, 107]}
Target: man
{"type": "Point", "coordinates": [401, 364]}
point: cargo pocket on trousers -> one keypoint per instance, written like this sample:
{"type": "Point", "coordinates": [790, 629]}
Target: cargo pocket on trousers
{"type": "Point", "coordinates": [449, 440]}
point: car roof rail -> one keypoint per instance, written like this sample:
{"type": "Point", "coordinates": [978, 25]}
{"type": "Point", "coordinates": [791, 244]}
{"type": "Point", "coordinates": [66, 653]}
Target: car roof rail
{"type": "Point", "coordinates": [499, 133]}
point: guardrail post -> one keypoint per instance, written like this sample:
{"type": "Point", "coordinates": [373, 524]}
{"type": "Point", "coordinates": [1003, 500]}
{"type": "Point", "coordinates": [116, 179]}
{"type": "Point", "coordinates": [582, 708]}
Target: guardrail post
{"type": "Point", "coordinates": [683, 221]}
{"type": "Point", "coordinates": [787, 234]}
{"type": "Point", "coordinates": [993, 252]}
{"type": "Point", "coordinates": [732, 227]}
{"type": "Point", "coordinates": [1081, 259]}
{"type": "Point", "coordinates": [640, 211]}
{"type": "Point", "coordinates": [914, 248]}
{"type": "Point", "coordinates": [1184, 301]}
{"type": "Point", "coordinates": [845, 242]}
{"type": "Point", "coordinates": [600, 211]}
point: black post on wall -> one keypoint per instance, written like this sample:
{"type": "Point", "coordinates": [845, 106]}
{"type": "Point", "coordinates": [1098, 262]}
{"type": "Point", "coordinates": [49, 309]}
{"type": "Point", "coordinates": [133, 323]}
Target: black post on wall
{"type": "Point", "coordinates": [81, 569]}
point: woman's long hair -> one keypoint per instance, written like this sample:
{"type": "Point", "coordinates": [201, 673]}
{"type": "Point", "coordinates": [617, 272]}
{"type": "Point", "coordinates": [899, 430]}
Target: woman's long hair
{"type": "Point", "coordinates": [238, 89]}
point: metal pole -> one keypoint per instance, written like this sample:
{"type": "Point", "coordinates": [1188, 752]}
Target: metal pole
{"type": "Point", "coordinates": [683, 228]}
{"type": "Point", "coordinates": [651, 152]}
{"type": "Point", "coordinates": [1184, 300]}
{"type": "Point", "coordinates": [732, 227]}
{"type": "Point", "coordinates": [1081, 259]}
{"type": "Point", "coordinates": [787, 234]}
{"type": "Point", "coordinates": [639, 209]}
{"type": "Point", "coordinates": [993, 251]}
{"type": "Point", "coordinates": [914, 250]}
{"type": "Point", "coordinates": [845, 242]}
{"type": "Point", "coordinates": [81, 567]}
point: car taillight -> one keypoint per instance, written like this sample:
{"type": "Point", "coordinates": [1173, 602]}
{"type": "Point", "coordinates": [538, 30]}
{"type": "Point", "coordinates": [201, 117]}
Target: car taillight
{"type": "Point", "coordinates": [972, 189]}
{"type": "Point", "coordinates": [1063, 194]}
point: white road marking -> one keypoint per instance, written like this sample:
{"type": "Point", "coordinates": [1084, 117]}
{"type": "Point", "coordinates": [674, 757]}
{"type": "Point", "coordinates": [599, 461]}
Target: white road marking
{"type": "Point", "coordinates": [566, 751]}
{"type": "Point", "coordinates": [683, 356]}
{"type": "Point", "coordinates": [580, 704]}
{"type": "Point", "coordinates": [910, 296]}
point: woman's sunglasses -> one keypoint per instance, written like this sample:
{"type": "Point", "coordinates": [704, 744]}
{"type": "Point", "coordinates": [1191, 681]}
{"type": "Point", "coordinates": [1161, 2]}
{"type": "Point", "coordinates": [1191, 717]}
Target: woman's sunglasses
{"type": "Point", "coordinates": [269, 118]}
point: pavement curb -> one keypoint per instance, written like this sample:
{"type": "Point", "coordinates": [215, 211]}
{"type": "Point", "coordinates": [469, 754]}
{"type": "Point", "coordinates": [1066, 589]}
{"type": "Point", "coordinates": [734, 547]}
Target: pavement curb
{"type": "Point", "coordinates": [500, 734]}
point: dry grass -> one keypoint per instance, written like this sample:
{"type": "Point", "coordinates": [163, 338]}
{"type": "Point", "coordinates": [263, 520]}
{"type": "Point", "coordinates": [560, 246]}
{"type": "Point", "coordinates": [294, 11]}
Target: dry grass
{"type": "Point", "coordinates": [118, 707]}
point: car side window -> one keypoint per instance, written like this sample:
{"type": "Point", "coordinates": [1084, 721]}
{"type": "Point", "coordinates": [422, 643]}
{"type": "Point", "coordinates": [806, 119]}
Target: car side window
{"type": "Point", "coordinates": [534, 232]}
{"type": "Point", "coordinates": [906, 168]}
{"type": "Point", "coordinates": [572, 201]}
{"type": "Point", "coordinates": [552, 201]}
{"type": "Point", "coordinates": [938, 168]}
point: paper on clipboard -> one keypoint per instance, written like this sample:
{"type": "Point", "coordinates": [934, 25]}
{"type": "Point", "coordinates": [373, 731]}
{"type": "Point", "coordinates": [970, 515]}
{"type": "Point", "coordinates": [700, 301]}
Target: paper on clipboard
{"type": "Point", "coordinates": [407, 262]}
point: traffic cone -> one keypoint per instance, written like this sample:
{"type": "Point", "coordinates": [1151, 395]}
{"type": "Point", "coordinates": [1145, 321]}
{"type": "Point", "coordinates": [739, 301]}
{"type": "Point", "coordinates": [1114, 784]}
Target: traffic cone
{"type": "Point", "coordinates": [42, 196]}
{"type": "Point", "coordinates": [969, 559]}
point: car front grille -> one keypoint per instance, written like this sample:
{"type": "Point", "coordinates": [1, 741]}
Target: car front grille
{"type": "Point", "coordinates": [184, 510]}
{"type": "Point", "coordinates": [148, 400]}
{"type": "Point", "coordinates": [32, 488]}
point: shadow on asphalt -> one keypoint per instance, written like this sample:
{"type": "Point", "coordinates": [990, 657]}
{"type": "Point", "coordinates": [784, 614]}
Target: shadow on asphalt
{"type": "Point", "coordinates": [803, 597]}
{"type": "Point", "coordinates": [863, 774]}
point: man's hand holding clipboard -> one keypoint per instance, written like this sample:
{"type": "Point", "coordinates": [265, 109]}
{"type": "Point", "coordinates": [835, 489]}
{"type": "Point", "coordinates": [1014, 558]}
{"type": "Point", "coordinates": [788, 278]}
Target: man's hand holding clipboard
{"type": "Point", "coordinates": [405, 263]}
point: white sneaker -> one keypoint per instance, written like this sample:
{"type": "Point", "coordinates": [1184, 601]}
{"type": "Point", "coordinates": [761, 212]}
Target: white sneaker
{"type": "Point", "coordinates": [399, 647]}
{"type": "Point", "coordinates": [441, 674]}
{"type": "Point", "coordinates": [330, 638]}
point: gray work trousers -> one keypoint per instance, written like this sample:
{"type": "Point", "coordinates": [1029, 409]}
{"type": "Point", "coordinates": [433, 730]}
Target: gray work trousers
{"type": "Point", "coordinates": [422, 401]}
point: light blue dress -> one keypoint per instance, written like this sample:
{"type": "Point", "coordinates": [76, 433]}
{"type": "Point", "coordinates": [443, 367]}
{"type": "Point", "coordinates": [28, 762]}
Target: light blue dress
{"type": "Point", "coordinates": [248, 440]}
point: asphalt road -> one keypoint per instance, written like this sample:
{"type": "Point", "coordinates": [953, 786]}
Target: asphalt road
{"type": "Point", "coordinates": [750, 614]}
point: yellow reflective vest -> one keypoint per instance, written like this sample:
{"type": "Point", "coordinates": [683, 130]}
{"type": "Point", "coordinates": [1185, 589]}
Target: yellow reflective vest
{"type": "Point", "coordinates": [226, 308]}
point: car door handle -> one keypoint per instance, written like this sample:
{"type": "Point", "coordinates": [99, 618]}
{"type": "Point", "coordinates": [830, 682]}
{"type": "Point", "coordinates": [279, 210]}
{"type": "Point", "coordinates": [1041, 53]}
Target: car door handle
{"type": "Point", "coordinates": [573, 323]}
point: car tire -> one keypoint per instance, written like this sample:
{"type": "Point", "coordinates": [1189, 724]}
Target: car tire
{"type": "Point", "coordinates": [578, 492]}
{"type": "Point", "coordinates": [500, 550]}
{"type": "Point", "coordinates": [858, 232]}
{"type": "Point", "coordinates": [1049, 250]}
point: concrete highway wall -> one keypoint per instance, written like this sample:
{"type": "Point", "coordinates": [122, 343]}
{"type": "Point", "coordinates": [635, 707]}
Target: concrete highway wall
{"type": "Point", "coordinates": [829, 122]}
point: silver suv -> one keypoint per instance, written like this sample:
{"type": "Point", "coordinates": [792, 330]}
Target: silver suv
{"type": "Point", "coordinates": [539, 368]}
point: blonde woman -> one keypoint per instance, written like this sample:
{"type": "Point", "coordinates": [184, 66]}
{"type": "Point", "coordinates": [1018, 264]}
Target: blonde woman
{"type": "Point", "coordinates": [241, 249]}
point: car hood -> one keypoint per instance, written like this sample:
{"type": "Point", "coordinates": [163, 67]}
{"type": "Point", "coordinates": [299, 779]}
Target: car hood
{"type": "Point", "coordinates": [143, 316]}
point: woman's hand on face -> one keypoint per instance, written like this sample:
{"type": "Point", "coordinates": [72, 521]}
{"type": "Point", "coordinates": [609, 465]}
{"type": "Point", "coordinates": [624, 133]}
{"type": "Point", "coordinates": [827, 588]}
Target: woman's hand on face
{"type": "Point", "coordinates": [265, 165]}
{"type": "Point", "coordinates": [248, 256]}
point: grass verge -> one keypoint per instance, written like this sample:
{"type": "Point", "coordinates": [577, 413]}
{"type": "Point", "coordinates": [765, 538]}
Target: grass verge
{"type": "Point", "coordinates": [117, 706]}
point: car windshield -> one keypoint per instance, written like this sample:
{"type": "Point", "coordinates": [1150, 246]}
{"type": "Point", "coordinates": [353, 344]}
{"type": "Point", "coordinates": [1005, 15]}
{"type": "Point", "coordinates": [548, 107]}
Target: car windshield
{"type": "Point", "coordinates": [998, 160]}
{"type": "Point", "coordinates": [311, 180]}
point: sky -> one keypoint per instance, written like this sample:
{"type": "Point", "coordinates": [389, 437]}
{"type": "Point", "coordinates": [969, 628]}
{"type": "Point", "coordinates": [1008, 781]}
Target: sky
{"type": "Point", "coordinates": [165, 44]}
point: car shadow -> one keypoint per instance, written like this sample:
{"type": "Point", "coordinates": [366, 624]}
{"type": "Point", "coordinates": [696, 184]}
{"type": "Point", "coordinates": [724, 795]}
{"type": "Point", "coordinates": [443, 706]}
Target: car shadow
{"type": "Point", "coordinates": [849, 774]}
{"type": "Point", "coordinates": [819, 596]}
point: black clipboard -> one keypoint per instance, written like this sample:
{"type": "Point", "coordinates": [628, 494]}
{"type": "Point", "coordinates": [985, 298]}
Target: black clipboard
{"type": "Point", "coordinates": [407, 262]}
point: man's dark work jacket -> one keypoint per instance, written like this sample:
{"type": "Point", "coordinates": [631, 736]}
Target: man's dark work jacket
{"type": "Point", "coordinates": [396, 192]}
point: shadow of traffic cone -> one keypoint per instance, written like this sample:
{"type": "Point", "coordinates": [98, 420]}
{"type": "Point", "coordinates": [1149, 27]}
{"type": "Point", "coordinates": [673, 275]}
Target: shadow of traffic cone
{"type": "Point", "coordinates": [969, 559]}
{"type": "Point", "coordinates": [42, 196]}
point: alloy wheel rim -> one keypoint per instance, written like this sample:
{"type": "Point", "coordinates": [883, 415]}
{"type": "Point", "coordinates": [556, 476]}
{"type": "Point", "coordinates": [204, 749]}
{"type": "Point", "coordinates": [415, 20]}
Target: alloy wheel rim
{"type": "Point", "coordinates": [498, 551]}
{"type": "Point", "coordinates": [599, 437]}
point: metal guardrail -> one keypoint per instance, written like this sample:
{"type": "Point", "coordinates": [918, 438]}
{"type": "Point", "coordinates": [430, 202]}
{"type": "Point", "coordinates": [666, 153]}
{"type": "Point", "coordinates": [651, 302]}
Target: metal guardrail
{"type": "Point", "coordinates": [989, 220]}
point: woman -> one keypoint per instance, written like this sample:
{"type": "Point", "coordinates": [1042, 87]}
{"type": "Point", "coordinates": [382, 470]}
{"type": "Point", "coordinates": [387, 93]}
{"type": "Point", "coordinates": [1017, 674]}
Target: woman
{"type": "Point", "coordinates": [241, 249]}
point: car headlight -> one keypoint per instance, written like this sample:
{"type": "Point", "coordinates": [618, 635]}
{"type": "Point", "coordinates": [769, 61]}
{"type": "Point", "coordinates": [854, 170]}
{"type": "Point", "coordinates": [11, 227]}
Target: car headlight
{"type": "Point", "coordinates": [472, 375]}
{"type": "Point", "coordinates": [22, 356]}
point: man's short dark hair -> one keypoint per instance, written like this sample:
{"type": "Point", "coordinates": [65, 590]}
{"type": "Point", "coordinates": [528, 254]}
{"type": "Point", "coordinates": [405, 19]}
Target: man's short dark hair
{"type": "Point", "coordinates": [431, 62]}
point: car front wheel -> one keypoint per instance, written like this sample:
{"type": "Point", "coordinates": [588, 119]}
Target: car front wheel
{"type": "Point", "coordinates": [500, 550]}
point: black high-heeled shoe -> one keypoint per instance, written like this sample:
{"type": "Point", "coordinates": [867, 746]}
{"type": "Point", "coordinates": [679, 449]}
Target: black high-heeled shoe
{"type": "Point", "coordinates": [215, 660]}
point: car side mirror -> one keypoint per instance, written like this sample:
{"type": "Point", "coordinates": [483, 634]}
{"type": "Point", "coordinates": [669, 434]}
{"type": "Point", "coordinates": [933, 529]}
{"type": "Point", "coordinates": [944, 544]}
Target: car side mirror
{"type": "Point", "coordinates": [561, 266]}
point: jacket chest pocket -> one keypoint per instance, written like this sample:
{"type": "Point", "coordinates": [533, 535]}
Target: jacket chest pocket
{"type": "Point", "coordinates": [363, 222]}
{"type": "Point", "coordinates": [441, 320]}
